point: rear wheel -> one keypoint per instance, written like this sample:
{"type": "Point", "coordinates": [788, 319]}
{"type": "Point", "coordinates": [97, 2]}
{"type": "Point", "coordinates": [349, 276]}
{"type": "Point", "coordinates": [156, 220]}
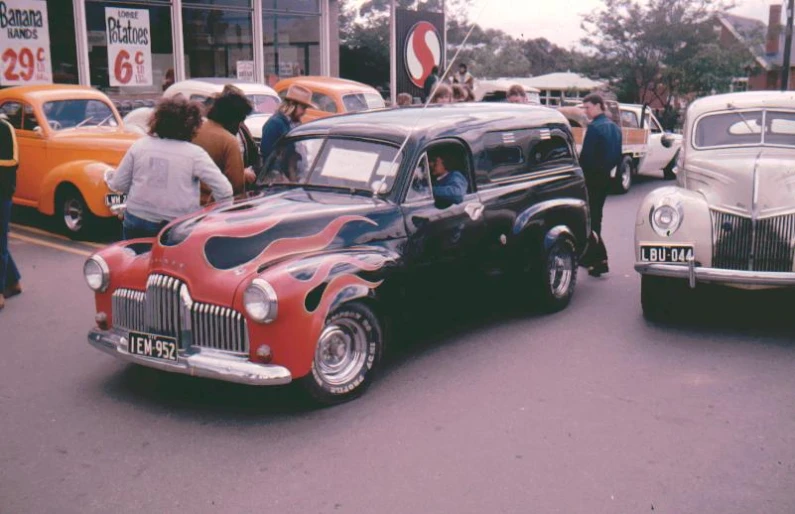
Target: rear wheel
{"type": "Point", "coordinates": [347, 355]}
{"type": "Point", "coordinates": [623, 181]}
{"type": "Point", "coordinates": [72, 212]}
{"type": "Point", "coordinates": [662, 298]}
{"type": "Point", "coordinates": [556, 277]}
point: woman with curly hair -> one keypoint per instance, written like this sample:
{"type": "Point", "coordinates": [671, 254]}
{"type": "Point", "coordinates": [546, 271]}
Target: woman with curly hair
{"type": "Point", "coordinates": [161, 172]}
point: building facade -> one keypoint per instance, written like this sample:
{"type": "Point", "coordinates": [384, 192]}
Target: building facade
{"type": "Point", "coordinates": [271, 39]}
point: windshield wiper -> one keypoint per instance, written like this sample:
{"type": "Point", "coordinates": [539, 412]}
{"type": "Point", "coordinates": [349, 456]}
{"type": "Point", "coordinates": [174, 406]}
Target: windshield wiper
{"type": "Point", "coordinates": [347, 189]}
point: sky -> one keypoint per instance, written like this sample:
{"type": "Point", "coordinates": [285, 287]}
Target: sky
{"type": "Point", "coordinates": [559, 20]}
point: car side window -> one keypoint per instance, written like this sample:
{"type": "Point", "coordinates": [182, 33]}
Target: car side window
{"type": "Point", "coordinates": [198, 98]}
{"type": "Point", "coordinates": [420, 186]}
{"type": "Point", "coordinates": [504, 156]}
{"type": "Point", "coordinates": [29, 121]}
{"type": "Point", "coordinates": [324, 102]}
{"type": "Point", "coordinates": [13, 111]}
{"type": "Point", "coordinates": [629, 119]}
{"type": "Point", "coordinates": [550, 151]}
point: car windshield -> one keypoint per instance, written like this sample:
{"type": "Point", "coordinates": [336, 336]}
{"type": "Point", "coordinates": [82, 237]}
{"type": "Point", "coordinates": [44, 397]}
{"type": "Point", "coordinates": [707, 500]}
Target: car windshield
{"type": "Point", "coordinates": [65, 114]}
{"type": "Point", "coordinates": [333, 162]}
{"type": "Point", "coordinates": [362, 102]}
{"type": "Point", "coordinates": [746, 128]}
{"type": "Point", "coordinates": [264, 104]}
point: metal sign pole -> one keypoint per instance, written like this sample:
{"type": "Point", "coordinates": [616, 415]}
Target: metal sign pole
{"type": "Point", "coordinates": [392, 53]}
{"type": "Point", "coordinates": [785, 66]}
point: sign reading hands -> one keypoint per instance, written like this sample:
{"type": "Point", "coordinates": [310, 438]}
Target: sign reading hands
{"type": "Point", "coordinates": [24, 43]}
{"type": "Point", "coordinates": [129, 46]}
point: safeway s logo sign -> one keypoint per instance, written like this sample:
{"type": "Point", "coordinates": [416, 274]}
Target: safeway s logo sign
{"type": "Point", "coordinates": [423, 52]}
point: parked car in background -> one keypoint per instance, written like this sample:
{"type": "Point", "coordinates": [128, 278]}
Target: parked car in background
{"type": "Point", "coordinates": [645, 147]}
{"type": "Point", "coordinates": [302, 279]}
{"type": "Point", "coordinates": [334, 95]}
{"type": "Point", "coordinates": [730, 219]}
{"type": "Point", "coordinates": [497, 91]}
{"type": "Point", "coordinates": [263, 98]}
{"type": "Point", "coordinates": [68, 136]}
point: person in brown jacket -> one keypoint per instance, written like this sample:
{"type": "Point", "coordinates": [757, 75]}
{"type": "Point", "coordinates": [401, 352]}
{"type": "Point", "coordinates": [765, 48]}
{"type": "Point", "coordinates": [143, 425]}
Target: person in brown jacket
{"type": "Point", "coordinates": [218, 137]}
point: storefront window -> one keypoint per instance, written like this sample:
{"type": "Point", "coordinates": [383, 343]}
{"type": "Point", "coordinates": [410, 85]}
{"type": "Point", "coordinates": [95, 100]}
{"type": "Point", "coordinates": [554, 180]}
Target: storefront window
{"type": "Point", "coordinates": [292, 6]}
{"type": "Point", "coordinates": [230, 3]}
{"type": "Point", "coordinates": [216, 40]}
{"type": "Point", "coordinates": [63, 51]}
{"type": "Point", "coordinates": [159, 42]}
{"type": "Point", "coordinates": [292, 46]}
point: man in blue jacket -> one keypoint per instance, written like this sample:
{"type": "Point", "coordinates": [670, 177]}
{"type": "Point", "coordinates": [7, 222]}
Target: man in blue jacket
{"type": "Point", "coordinates": [601, 152]}
{"type": "Point", "coordinates": [449, 187]}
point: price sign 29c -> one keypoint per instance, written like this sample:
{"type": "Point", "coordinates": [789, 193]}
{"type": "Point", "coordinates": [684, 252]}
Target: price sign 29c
{"type": "Point", "coordinates": [25, 43]}
{"type": "Point", "coordinates": [129, 46]}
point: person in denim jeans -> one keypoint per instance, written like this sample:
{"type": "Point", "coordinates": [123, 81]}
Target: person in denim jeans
{"type": "Point", "coordinates": [9, 160]}
{"type": "Point", "coordinates": [161, 173]}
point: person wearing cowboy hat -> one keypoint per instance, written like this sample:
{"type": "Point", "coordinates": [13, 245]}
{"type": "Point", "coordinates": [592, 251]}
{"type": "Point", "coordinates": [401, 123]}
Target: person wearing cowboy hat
{"type": "Point", "coordinates": [292, 108]}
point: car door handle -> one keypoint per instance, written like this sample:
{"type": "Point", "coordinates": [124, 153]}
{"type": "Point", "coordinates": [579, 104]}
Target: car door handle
{"type": "Point", "coordinates": [474, 210]}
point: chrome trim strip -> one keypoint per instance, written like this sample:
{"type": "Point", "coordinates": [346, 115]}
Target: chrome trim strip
{"type": "Point", "coordinates": [723, 276]}
{"type": "Point", "coordinates": [205, 364]}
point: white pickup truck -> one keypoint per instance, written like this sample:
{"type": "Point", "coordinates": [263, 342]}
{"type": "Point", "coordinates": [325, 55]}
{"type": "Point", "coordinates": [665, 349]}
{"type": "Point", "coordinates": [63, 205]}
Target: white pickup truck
{"type": "Point", "coordinates": [646, 147]}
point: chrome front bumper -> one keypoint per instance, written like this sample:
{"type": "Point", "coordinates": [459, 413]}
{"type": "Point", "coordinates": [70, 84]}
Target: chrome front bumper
{"type": "Point", "coordinates": [206, 363]}
{"type": "Point", "coordinates": [695, 274]}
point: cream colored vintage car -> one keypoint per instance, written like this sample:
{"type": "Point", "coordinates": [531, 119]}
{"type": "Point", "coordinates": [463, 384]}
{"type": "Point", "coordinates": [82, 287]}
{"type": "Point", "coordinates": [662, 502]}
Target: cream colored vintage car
{"type": "Point", "coordinates": [731, 218]}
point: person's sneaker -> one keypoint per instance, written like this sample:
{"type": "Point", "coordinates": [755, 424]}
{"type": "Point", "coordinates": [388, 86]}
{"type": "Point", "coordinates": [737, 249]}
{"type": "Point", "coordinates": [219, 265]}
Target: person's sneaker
{"type": "Point", "coordinates": [2, 302]}
{"type": "Point", "coordinates": [12, 290]}
{"type": "Point", "coordinates": [598, 269]}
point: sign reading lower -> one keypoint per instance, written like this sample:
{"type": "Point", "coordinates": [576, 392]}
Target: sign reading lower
{"type": "Point", "coordinates": [129, 46]}
{"type": "Point", "coordinates": [24, 43]}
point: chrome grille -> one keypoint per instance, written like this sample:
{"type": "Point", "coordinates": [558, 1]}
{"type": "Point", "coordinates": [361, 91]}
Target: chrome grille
{"type": "Point", "coordinates": [741, 243]}
{"type": "Point", "coordinates": [219, 327]}
{"type": "Point", "coordinates": [165, 308]}
{"type": "Point", "coordinates": [128, 309]}
{"type": "Point", "coordinates": [163, 305]}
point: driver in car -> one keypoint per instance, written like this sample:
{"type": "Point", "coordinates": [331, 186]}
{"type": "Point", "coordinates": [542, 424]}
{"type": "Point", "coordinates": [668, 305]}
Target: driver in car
{"type": "Point", "coordinates": [448, 186]}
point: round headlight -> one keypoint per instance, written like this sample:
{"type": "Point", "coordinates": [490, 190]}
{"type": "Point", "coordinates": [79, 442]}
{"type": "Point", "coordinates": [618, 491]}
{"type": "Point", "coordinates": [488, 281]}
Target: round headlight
{"type": "Point", "coordinates": [260, 301]}
{"type": "Point", "coordinates": [666, 219]}
{"type": "Point", "coordinates": [96, 273]}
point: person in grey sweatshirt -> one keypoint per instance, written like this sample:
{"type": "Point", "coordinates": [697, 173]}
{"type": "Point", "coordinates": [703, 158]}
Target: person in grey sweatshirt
{"type": "Point", "coordinates": [161, 173]}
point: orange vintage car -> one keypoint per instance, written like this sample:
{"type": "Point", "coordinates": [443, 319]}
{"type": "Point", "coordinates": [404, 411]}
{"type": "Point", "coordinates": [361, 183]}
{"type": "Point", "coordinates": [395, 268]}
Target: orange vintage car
{"type": "Point", "coordinates": [333, 95]}
{"type": "Point", "coordinates": [68, 136]}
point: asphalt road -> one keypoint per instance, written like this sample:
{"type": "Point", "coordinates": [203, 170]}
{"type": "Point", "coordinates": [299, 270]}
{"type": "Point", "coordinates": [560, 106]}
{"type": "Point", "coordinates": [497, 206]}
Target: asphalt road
{"type": "Point", "coordinates": [592, 410]}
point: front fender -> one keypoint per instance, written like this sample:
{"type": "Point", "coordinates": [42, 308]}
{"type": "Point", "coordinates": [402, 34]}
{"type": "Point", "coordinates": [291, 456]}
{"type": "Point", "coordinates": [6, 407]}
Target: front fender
{"type": "Point", "coordinates": [695, 229]}
{"type": "Point", "coordinates": [540, 218]}
{"type": "Point", "coordinates": [308, 289]}
{"type": "Point", "coordinates": [87, 176]}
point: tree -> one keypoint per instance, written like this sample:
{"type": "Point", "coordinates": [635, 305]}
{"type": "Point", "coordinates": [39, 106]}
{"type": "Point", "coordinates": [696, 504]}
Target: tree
{"type": "Point", "coordinates": [662, 49]}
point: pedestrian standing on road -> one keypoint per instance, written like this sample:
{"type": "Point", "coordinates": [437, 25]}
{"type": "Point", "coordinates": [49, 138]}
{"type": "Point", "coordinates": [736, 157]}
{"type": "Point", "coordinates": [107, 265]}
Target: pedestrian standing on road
{"type": "Point", "coordinates": [427, 87]}
{"type": "Point", "coordinates": [9, 161]}
{"type": "Point", "coordinates": [218, 136]}
{"type": "Point", "coordinates": [601, 152]}
{"type": "Point", "coordinates": [463, 77]}
{"type": "Point", "coordinates": [292, 108]}
{"type": "Point", "coordinates": [160, 173]}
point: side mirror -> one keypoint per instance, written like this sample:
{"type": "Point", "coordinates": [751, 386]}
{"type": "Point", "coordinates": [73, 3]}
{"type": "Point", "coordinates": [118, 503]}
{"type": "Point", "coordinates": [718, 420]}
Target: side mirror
{"type": "Point", "coordinates": [667, 140]}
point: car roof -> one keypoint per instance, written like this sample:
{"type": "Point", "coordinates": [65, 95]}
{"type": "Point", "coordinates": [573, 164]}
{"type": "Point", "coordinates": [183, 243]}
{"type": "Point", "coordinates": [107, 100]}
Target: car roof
{"type": "Point", "coordinates": [49, 92]}
{"type": "Point", "coordinates": [216, 85]}
{"type": "Point", "coordinates": [321, 83]}
{"type": "Point", "coordinates": [465, 120]}
{"type": "Point", "coordinates": [743, 100]}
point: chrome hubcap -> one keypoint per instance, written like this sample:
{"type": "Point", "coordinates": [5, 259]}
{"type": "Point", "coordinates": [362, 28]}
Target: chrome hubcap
{"type": "Point", "coordinates": [73, 214]}
{"type": "Point", "coordinates": [561, 268]}
{"type": "Point", "coordinates": [341, 352]}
